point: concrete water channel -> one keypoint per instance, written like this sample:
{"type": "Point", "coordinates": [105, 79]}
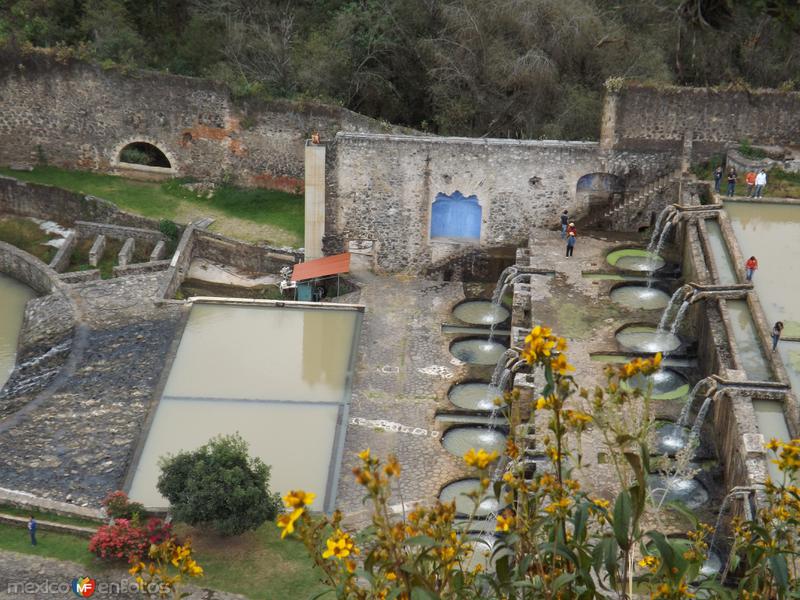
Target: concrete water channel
{"type": "Point", "coordinates": [13, 297]}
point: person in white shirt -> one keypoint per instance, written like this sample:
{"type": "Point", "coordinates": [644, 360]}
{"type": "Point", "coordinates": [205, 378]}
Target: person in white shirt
{"type": "Point", "coordinates": [761, 181]}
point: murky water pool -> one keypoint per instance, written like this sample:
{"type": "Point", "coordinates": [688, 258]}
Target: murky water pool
{"type": "Point", "coordinates": [635, 259]}
{"type": "Point", "coordinates": [747, 342]}
{"type": "Point", "coordinates": [644, 338]}
{"type": "Point", "coordinates": [278, 375]}
{"type": "Point", "coordinates": [640, 297]}
{"type": "Point", "coordinates": [459, 440]}
{"type": "Point", "coordinates": [13, 296]}
{"type": "Point", "coordinates": [722, 258]}
{"type": "Point", "coordinates": [481, 312]}
{"type": "Point", "coordinates": [772, 424]}
{"type": "Point", "coordinates": [464, 505]}
{"type": "Point", "coordinates": [477, 351]}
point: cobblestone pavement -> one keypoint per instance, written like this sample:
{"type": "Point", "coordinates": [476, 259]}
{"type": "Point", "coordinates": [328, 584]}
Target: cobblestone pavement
{"type": "Point", "coordinates": [403, 371]}
{"type": "Point", "coordinates": [28, 577]}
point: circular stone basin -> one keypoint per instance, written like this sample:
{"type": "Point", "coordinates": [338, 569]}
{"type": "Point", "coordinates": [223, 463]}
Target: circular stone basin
{"type": "Point", "coordinates": [464, 505]}
{"type": "Point", "coordinates": [644, 338]}
{"type": "Point", "coordinates": [459, 440]}
{"type": "Point", "coordinates": [671, 489]}
{"type": "Point", "coordinates": [640, 297]}
{"type": "Point", "coordinates": [481, 312]}
{"type": "Point", "coordinates": [477, 351]}
{"type": "Point", "coordinates": [670, 438]}
{"type": "Point", "coordinates": [712, 566]}
{"type": "Point", "coordinates": [473, 395]}
{"type": "Point", "coordinates": [635, 259]}
{"type": "Point", "coordinates": [667, 384]}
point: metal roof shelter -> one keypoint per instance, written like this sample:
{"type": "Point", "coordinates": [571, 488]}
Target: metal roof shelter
{"type": "Point", "coordinates": [307, 274]}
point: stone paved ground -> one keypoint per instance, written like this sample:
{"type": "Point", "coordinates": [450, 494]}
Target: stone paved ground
{"type": "Point", "coordinates": [581, 310]}
{"type": "Point", "coordinates": [402, 375]}
{"type": "Point", "coordinates": [27, 577]}
{"type": "Point", "coordinates": [75, 443]}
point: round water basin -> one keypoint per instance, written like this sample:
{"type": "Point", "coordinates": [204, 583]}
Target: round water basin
{"type": "Point", "coordinates": [481, 312]}
{"type": "Point", "coordinates": [670, 438]}
{"type": "Point", "coordinates": [459, 440]}
{"type": "Point", "coordinates": [464, 506]}
{"type": "Point", "coordinates": [477, 351]}
{"type": "Point", "coordinates": [473, 395]}
{"type": "Point", "coordinates": [635, 259]}
{"type": "Point", "coordinates": [640, 297]}
{"type": "Point", "coordinates": [667, 384]}
{"type": "Point", "coordinates": [712, 566]}
{"type": "Point", "coordinates": [645, 338]}
{"type": "Point", "coordinates": [665, 488]}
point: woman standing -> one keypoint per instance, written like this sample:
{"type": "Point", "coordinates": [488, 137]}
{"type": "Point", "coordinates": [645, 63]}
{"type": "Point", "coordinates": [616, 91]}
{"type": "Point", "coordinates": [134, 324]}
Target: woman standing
{"type": "Point", "coordinates": [731, 182]}
{"type": "Point", "coordinates": [570, 243]}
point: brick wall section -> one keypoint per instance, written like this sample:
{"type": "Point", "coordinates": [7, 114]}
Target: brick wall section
{"type": "Point", "coordinates": [79, 115]}
{"type": "Point", "coordinates": [652, 118]}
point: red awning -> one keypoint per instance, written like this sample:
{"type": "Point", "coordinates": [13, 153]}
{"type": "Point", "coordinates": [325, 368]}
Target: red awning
{"type": "Point", "coordinates": [322, 267]}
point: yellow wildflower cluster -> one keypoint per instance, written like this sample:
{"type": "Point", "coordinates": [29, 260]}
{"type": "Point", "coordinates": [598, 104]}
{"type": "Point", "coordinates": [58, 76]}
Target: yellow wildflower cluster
{"type": "Point", "coordinates": [788, 453]}
{"type": "Point", "coordinates": [480, 459]}
{"type": "Point", "coordinates": [645, 366]}
{"type": "Point", "coordinates": [650, 562]}
{"type": "Point", "coordinates": [540, 344]}
{"type": "Point", "coordinates": [340, 545]}
{"type": "Point", "coordinates": [168, 564]}
{"type": "Point", "coordinates": [670, 590]}
{"type": "Point", "coordinates": [505, 521]}
{"type": "Point", "coordinates": [297, 500]}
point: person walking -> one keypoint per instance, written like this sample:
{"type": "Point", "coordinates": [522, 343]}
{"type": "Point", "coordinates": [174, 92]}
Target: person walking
{"type": "Point", "coordinates": [717, 178]}
{"type": "Point", "coordinates": [750, 180]}
{"type": "Point", "coordinates": [761, 182]}
{"type": "Point", "coordinates": [570, 243]}
{"type": "Point", "coordinates": [776, 334]}
{"type": "Point", "coordinates": [564, 223]}
{"type": "Point", "coordinates": [32, 530]}
{"type": "Point", "coordinates": [571, 229]}
{"type": "Point", "coordinates": [731, 182]}
{"type": "Point", "coordinates": [750, 267]}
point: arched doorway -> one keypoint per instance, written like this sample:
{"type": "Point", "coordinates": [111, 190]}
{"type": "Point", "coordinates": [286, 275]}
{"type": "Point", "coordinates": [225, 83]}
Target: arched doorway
{"type": "Point", "coordinates": [456, 216]}
{"type": "Point", "coordinates": [595, 191]}
{"type": "Point", "coordinates": [145, 154]}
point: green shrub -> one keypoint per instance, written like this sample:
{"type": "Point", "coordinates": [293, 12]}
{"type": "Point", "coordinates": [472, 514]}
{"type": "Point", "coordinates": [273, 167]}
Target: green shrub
{"type": "Point", "coordinates": [135, 156]}
{"type": "Point", "coordinates": [745, 149]}
{"type": "Point", "coordinates": [169, 229]}
{"type": "Point", "coordinates": [218, 485]}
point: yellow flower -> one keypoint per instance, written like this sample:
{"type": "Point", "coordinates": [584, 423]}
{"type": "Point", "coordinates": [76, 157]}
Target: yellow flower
{"type": "Point", "coordinates": [480, 459]}
{"type": "Point", "coordinates": [600, 503]}
{"type": "Point", "coordinates": [649, 561]}
{"type": "Point", "coordinates": [287, 521]}
{"type": "Point", "coordinates": [505, 521]}
{"type": "Point", "coordinates": [298, 499]}
{"type": "Point", "coordinates": [560, 365]}
{"type": "Point", "coordinates": [541, 403]}
{"type": "Point", "coordinates": [340, 545]}
{"type": "Point", "coordinates": [538, 343]}
{"type": "Point", "coordinates": [392, 468]}
{"type": "Point", "coordinates": [364, 455]}
{"type": "Point", "coordinates": [391, 576]}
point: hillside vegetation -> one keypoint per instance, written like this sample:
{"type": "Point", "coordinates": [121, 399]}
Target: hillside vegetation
{"type": "Point", "coordinates": [503, 68]}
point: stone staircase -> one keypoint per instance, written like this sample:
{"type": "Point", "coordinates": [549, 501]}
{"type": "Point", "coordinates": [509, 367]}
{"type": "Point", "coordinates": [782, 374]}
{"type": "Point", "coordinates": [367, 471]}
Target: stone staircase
{"type": "Point", "coordinates": [632, 210]}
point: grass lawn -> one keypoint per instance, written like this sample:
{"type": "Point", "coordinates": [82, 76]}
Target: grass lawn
{"type": "Point", "coordinates": [26, 235]}
{"type": "Point", "coordinates": [249, 214]}
{"type": "Point", "coordinates": [780, 184]}
{"type": "Point", "coordinates": [257, 564]}
{"type": "Point", "coordinates": [8, 509]}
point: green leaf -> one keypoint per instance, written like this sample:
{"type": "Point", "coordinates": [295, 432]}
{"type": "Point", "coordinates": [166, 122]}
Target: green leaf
{"type": "Point", "coordinates": [418, 593]}
{"type": "Point", "coordinates": [579, 520]}
{"type": "Point", "coordinates": [563, 580]}
{"type": "Point", "coordinates": [622, 519]}
{"type": "Point", "coordinates": [548, 375]}
{"type": "Point", "coordinates": [780, 571]}
{"type": "Point", "coordinates": [421, 540]}
{"type": "Point", "coordinates": [502, 569]}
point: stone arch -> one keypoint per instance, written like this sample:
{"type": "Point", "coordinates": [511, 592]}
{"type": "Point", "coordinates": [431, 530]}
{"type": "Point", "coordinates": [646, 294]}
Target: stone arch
{"type": "Point", "coordinates": [595, 190]}
{"type": "Point", "coordinates": [161, 159]}
{"type": "Point", "coordinates": [456, 216]}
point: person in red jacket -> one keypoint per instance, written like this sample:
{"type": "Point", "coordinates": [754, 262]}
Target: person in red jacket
{"type": "Point", "coordinates": [750, 267]}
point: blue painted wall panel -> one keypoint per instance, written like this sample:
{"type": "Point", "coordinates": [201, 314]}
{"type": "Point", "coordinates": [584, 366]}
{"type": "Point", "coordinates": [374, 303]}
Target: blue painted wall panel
{"type": "Point", "coordinates": [456, 216]}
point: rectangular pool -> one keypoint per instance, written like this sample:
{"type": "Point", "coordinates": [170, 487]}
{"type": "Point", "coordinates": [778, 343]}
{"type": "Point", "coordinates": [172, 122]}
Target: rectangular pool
{"type": "Point", "coordinates": [278, 375]}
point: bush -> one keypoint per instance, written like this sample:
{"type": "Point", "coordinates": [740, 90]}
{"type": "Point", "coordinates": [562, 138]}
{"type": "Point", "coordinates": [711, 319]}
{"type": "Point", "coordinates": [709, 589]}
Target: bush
{"type": "Point", "coordinates": [121, 541]}
{"type": "Point", "coordinates": [135, 156]}
{"type": "Point", "coordinates": [118, 506]}
{"type": "Point", "coordinates": [169, 229]}
{"type": "Point", "coordinates": [218, 485]}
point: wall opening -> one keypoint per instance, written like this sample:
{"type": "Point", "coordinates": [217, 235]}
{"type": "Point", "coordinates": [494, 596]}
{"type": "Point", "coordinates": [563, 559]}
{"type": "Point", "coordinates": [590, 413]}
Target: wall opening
{"type": "Point", "coordinates": [142, 153]}
{"type": "Point", "coordinates": [596, 191]}
{"type": "Point", "coordinates": [456, 216]}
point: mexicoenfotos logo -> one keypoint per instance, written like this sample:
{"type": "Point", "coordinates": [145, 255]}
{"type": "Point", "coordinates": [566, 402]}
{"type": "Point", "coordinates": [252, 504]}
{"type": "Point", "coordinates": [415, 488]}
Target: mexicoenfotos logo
{"type": "Point", "coordinates": [84, 587]}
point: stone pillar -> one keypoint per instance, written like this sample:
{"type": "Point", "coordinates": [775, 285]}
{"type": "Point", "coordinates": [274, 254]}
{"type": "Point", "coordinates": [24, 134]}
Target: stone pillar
{"type": "Point", "coordinates": [608, 123]}
{"type": "Point", "coordinates": [315, 199]}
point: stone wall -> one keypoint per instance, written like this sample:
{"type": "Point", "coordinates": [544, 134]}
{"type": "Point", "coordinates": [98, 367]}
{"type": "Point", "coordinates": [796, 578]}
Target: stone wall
{"type": "Point", "coordinates": [382, 187]}
{"type": "Point", "coordinates": [79, 115]}
{"type": "Point", "coordinates": [658, 118]}
{"type": "Point", "coordinates": [28, 269]}
{"type": "Point", "coordinates": [65, 207]}
{"type": "Point", "coordinates": [118, 232]}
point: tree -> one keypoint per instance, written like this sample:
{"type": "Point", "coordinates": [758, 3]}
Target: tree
{"type": "Point", "coordinates": [218, 485]}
